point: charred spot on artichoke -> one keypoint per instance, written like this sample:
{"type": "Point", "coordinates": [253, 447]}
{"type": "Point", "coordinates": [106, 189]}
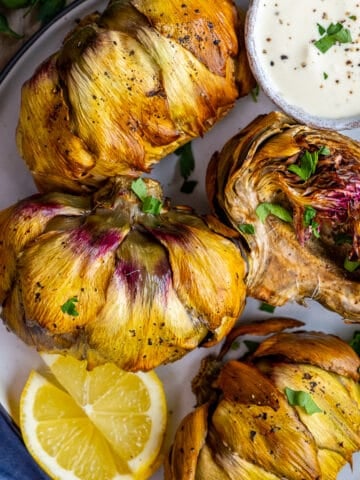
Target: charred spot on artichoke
{"type": "Point", "coordinates": [298, 187]}
{"type": "Point", "coordinates": [102, 278]}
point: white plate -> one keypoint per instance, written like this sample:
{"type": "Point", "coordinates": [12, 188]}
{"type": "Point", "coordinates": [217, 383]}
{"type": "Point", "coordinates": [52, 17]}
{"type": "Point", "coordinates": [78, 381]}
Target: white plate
{"type": "Point", "coordinates": [16, 359]}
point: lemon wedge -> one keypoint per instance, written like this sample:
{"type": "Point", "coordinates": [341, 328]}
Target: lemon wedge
{"type": "Point", "coordinates": [101, 424]}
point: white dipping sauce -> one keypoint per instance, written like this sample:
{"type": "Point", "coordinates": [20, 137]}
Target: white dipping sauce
{"type": "Point", "coordinates": [323, 84]}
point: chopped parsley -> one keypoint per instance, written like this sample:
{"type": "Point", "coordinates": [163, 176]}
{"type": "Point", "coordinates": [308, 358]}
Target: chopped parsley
{"type": "Point", "coordinates": [247, 228]}
{"type": "Point", "coordinates": [309, 216]}
{"type": "Point", "coordinates": [265, 209]}
{"type": "Point", "coordinates": [326, 76]}
{"type": "Point", "coordinates": [187, 166]}
{"type": "Point", "coordinates": [266, 307]}
{"type": "Point", "coordinates": [351, 265]}
{"type": "Point", "coordinates": [255, 93]}
{"type": "Point", "coordinates": [302, 399]}
{"type": "Point", "coordinates": [335, 33]}
{"type": "Point", "coordinates": [308, 163]}
{"type": "Point", "coordinates": [149, 204]}
{"type": "Point", "coordinates": [5, 28]}
{"type": "Point", "coordinates": [251, 345]}
{"type": "Point", "coordinates": [69, 307]}
{"type": "Point", "coordinates": [355, 342]}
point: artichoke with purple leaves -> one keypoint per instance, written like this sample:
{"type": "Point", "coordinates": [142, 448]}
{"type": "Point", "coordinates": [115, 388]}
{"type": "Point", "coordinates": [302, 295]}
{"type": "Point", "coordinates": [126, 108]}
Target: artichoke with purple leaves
{"type": "Point", "coordinates": [293, 192]}
{"type": "Point", "coordinates": [118, 275]}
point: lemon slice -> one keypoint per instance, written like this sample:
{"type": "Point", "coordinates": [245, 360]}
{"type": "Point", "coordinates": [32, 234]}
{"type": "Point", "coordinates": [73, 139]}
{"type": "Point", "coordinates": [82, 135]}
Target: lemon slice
{"type": "Point", "coordinates": [101, 424]}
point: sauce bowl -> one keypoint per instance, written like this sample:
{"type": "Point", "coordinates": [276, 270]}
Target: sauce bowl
{"type": "Point", "coordinates": [305, 56]}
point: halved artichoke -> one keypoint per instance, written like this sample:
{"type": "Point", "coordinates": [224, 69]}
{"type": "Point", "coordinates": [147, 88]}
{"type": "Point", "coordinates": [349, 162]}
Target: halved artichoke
{"type": "Point", "coordinates": [293, 192]}
{"type": "Point", "coordinates": [100, 278]}
{"type": "Point", "coordinates": [128, 87]}
{"type": "Point", "coordinates": [289, 411]}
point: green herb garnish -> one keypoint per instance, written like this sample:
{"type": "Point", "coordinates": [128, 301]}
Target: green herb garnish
{"type": "Point", "coordinates": [188, 186]}
{"type": "Point", "coordinates": [149, 204]}
{"type": "Point", "coordinates": [265, 209]}
{"type": "Point", "coordinates": [48, 9]}
{"type": "Point", "coordinates": [351, 265]}
{"type": "Point", "coordinates": [308, 162]}
{"type": "Point", "coordinates": [265, 307]}
{"type": "Point", "coordinates": [5, 28]}
{"type": "Point", "coordinates": [353, 17]}
{"type": "Point", "coordinates": [321, 29]}
{"type": "Point", "coordinates": [247, 228]}
{"type": "Point", "coordinates": [187, 166]}
{"type": "Point", "coordinates": [255, 93]}
{"type": "Point", "coordinates": [326, 76]}
{"type": "Point", "coordinates": [235, 345]}
{"type": "Point", "coordinates": [309, 215]}
{"type": "Point", "coordinates": [335, 33]}
{"type": "Point", "coordinates": [342, 238]}
{"type": "Point", "coordinates": [69, 307]}
{"type": "Point", "coordinates": [251, 345]}
{"type": "Point", "coordinates": [302, 399]}
{"type": "Point", "coordinates": [355, 342]}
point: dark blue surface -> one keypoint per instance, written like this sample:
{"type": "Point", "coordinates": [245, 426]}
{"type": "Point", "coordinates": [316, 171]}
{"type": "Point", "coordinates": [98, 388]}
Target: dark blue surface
{"type": "Point", "coordinates": [15, 461]}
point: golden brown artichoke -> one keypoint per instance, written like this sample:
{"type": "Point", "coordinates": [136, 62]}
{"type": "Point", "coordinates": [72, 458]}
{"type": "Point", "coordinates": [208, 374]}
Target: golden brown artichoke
{"type": "Point", "coordinates": [289, 411]}
{"type": "Point", "coordinates": [293, 192]}
{"type": "Point", "coordinates": [100, 278]}
{"type": "Point", "coordinates": [128, 87]}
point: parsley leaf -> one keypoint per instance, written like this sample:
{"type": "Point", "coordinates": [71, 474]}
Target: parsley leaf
{"type": "Point", "coordinates": [5, 28]}
{"type": "Point", "coordinates": [265, 307]}
{"type": "Point", "coordinates": [255, 93]}
{"type": "Point", "coordinates": [351, 265]}
{"type": "Point", "coordinates": [309, 215]}
{"type": "Point", "coordinates": [251, 345]}
{"type": "Point", "coordinates": [188, 186]}
{"type": "Point", "coordinates": [247, 228]}
{"type": "Point", "coordinates": [149, 204]}
{"type": "Point", "coordinates": [335, 33]}
{"type": "Point", "coordinates": [265, 209]}
{"type": "Point", "coordinates": [355, 342]}
{"type": "Point", "coordinates": [187, 166]}
{"type": "Point", "coordinates": [186, 160]}
{"type": "Point", "coordinates": [308, 163]}
{"type": "Point", "coordinates": [342, 238]}
{"type": "Point", "coordinates": [302, 399]}
{"type": "Point", "coordinates": [321, 29]}
{"type": "Point", "coordinates": [48, 9]}
{"type": "Point", "coordinates": [69, 307]}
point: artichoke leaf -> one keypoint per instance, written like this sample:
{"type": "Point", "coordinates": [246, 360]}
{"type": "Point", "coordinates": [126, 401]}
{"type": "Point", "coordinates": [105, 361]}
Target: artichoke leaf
{"type": "Point", "coordinates": [330, 352]}
{"type": "Point", "coordinates": [337, 426]}
{"type": "Point", "coordinates": [206, 268]}
{"type": "Point", "coordinates": [184, 453]}
{"type": "Point", "coordinates": [180, 66]}
{"type": "Point", "coordinates": [141, 287]}
{"type": "Point", "coordinates": [302, 259]}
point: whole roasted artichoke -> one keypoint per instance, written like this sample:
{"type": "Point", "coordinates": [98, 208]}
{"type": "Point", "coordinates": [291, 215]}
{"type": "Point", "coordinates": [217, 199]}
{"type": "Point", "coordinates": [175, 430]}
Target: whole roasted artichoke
{"type": "Point", "coordinates": [289, 411]}
{"type": "Point", "coordinates": [128, 87]}
{"type": "Point", "coordinates": [293, 192]}
{"type": "Point", "coordinates": [117, 276]}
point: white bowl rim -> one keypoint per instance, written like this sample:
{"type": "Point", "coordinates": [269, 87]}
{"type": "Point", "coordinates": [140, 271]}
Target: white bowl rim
{"type": "Point", "coordinates": [343, 123]}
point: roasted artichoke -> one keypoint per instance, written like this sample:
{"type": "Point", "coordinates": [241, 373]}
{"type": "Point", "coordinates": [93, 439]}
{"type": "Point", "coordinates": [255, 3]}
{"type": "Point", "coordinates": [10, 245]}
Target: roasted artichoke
{"type": "Point", "coordinates": [289, 411]}
{"type": "Point", "coordinates": [117, 276]}
{"type": "Point", "coordinates": [293, 193]}
{"type": "Point", "coordinates": [128, 87]}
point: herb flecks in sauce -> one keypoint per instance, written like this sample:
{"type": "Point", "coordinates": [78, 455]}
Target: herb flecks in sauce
{"type": "Point", "coordinates": [321, 74]}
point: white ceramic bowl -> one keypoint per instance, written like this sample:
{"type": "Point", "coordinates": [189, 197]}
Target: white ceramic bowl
{"type": "Point", "coordinates": [256, 61]}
